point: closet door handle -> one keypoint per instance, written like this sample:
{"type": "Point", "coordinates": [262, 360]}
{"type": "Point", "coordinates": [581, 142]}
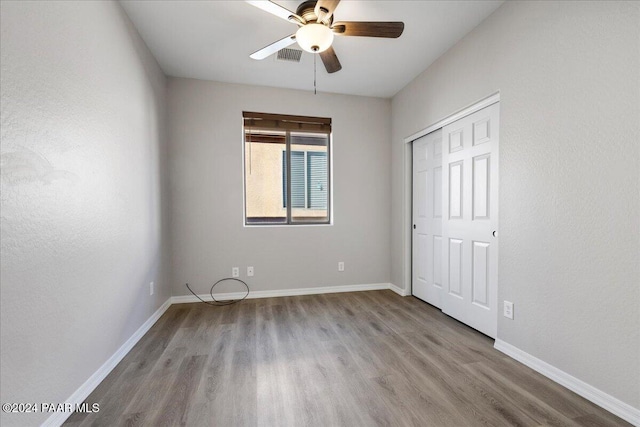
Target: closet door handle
{"type": "Point", "coordinates": [495, 233]}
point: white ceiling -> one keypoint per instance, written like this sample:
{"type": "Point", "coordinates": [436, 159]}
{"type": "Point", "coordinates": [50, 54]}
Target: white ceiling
{"type": "Point", "coordinates": [212, 40]}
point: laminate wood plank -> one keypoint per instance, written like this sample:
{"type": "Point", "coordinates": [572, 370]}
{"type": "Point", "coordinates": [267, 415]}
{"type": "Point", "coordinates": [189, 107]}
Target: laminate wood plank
{"type": "Point", "coordinates": [114, 403]}
{"type": "Point", "coordinates": [407, 362]}
{"type": "Point", "coordinates": [212, 399]}
{"type": "Point", "coordinates": [345, 303]}
{"type": "Point", "coordinates": [365, 300]}
{"type": "Point", "coordinates": [272, 392]}
{"type": "Point", "coordinates": [152, 349]}
{"type": "Point", "coordinates": [416, 407]}
{"type": "Point", "coordinates": [174, 410]}
{"type": "Point", "coordinates": [282, 323]}
{"type": "Point", "coordinates": [243, 368]}
{"type": "Point", "coordinates": [133, 420]}
{"type": "Point", "coordinates": [303, 395]}
{"type": "Point", "coordinates": [362, 325]}
{"type": "Point", "coordinates": [296, 367]}
{"type": "Point", "coordinates": [313, 322]}
{"type": "Point", "coordinates": [311, 306]}
{"type": "Point", "coordinates": [244, 331]}
{"type": "Point", "coordinates": [328, 306]}
{"type": "Point", "coordinates": [244, 395]}
{"type": "Point", "coordinates": [475, 400]}
{"type": "Point", "coordinates": [476, 344]}
{"type": "Point", "coordinates": [144, 350]}
{"type": "Point", "coordinates": [387, 299]}
{"type": "Point", "coordinates": [367, 362]}
{"type": "Point", "coordinates": [294, 307]}
{"type": "Point", "coordinates": [154, 390]}
{"type": "Point", "coordinates": [550, 392]}
{"type": "Point", "coordinates": [196, 316]}
{"type": "Point", "coordinates": [424, 381]}
{"type": "Point", "coordinates": [603, 418]}
{"type": "Point", "coordinates": [183, 337]}
{"type": "Point", "coordinates": [431, 341]}
{"type": "Point", "coordinates": [451, 394]}
{"type": "Point", "coordinates": [148, 350]}
{"type": "Point", "coordinates": [263, 310]}
{"type": "Point", "coordinates": [298, 318]}
{"type": "Point", "coordinates": [400, 321]}
{"type": "Point", "coordinates": [352, 359]}
{"type": "Point", "coordinates": [132, 371]}
{"type": "Point", "coordinates": [345, 372]}
{"type": "Point", "coordinates": [310, 369]}
{"type": "Point", "coordinates": [509, 391]}
{"type": "Point", "coordinates": [205, 336]}
{"type": "Point", "coordinates": [230, 313]}
{"type": "Point", "coordinates": [270, 403]}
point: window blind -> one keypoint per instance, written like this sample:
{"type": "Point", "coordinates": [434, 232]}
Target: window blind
{"type": "Point", "coordinates": [317, 179]}
{"type": "Point", "coordinates": [282, 122]}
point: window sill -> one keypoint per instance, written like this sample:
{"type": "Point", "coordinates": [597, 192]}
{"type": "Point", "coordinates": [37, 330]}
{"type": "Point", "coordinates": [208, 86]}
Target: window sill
{"type": "Point", "coordinates": [286, 225]}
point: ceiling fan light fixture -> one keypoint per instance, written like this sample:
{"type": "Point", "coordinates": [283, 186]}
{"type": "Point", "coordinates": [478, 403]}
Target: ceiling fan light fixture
{"type": "Point", "coordinates": [314, 38]}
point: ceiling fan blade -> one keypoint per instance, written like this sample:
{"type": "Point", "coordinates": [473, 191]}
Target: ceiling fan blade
{"type": "Point", "coordinates": [273, 47]}
{"type": "Point", "coordinates": [390, 30]}
{"type": "Point", "coordinates": [324, 9]}
{"type": "Point", "coordinates": [330, 60]}
{"type": "Point", "coordinates": [277, 10]}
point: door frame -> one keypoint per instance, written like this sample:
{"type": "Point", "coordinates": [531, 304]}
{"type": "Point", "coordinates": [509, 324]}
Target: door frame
{"type": "Point", "coordinates": [407, 196]}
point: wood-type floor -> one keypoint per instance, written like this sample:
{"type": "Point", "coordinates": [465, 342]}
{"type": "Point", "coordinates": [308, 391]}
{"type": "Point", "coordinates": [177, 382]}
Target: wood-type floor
{"type": "Point", "coordinates": [349, 359]}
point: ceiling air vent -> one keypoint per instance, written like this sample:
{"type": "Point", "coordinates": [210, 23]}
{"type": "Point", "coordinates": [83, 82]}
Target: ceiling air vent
{"type": "Point", "coordinates": [289, 55]}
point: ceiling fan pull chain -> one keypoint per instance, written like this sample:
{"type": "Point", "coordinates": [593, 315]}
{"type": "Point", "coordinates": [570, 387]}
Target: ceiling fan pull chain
{"type": "Point", "coordinates": [315, 91]}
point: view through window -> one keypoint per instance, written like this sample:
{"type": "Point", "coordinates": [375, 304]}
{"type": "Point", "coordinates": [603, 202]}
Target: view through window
{"type": "Point", "coordinates": [287, 169]}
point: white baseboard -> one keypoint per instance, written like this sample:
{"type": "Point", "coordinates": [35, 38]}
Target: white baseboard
{"type": "Point", "coordinates": [282, 293]}
{"type": "Point", "coordinates": [589, 392]}
{"type": "Point", "coordinates": [397, 290]}
{"type": "Point", "coordinates": [58, 418]}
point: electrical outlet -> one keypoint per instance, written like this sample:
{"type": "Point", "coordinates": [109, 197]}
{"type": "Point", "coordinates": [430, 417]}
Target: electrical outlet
{"type": "Point", "coordinates": [235, 272]}
{"type": "Point", "coordinates": [250, 271]}
{"type": "Point", "coordinates": [341, 266]}
{"type": "Point", "coordinates": [508, 309]}
{"type": "Point", "coordinates": [151, 290]}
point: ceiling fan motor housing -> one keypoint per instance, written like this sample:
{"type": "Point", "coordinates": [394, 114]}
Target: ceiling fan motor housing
{"type": "Point", "coordinates": [307, 11]}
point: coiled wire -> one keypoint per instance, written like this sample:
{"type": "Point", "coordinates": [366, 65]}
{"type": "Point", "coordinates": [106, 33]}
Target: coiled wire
{"type": "Point", "coordinates": [221, 303]}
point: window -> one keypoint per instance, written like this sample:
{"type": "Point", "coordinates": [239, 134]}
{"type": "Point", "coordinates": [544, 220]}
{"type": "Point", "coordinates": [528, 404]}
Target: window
{"type": "Point", "coordinates": [308, 179]}
{"type": "Point", "coordinates": [287, 169]}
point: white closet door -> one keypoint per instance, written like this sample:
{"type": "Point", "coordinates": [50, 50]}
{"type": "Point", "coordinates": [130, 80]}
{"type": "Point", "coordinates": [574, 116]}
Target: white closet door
{"type": "Point", "coordinates": [427, 218]}
{"type": "Point", "coordinates": [470, 216]}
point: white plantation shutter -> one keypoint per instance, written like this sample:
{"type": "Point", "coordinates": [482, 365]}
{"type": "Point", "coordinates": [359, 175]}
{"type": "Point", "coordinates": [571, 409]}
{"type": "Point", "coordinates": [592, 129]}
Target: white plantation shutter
{"type": "Point", "coordinates": [317, 180]}
{"type": "Point", "coordinates": [297, 179]}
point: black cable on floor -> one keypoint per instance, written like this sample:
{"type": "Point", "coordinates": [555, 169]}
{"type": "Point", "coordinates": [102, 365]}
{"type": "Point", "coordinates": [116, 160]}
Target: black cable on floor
{"type": "Point", "coordinates": [221, 303]}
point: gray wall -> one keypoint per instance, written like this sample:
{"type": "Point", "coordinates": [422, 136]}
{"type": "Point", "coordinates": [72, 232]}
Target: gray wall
{"type": "Point", "coordinates": [568, 76]}
{"type": "Point", "coordinates": [83, 221]}
{"type": "Point", "coordinates": [207, 191]}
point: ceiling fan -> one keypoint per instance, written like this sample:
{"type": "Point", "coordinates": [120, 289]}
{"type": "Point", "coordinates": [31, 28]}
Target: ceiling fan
{"type": "Point", "coordinates": [316, 29]}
